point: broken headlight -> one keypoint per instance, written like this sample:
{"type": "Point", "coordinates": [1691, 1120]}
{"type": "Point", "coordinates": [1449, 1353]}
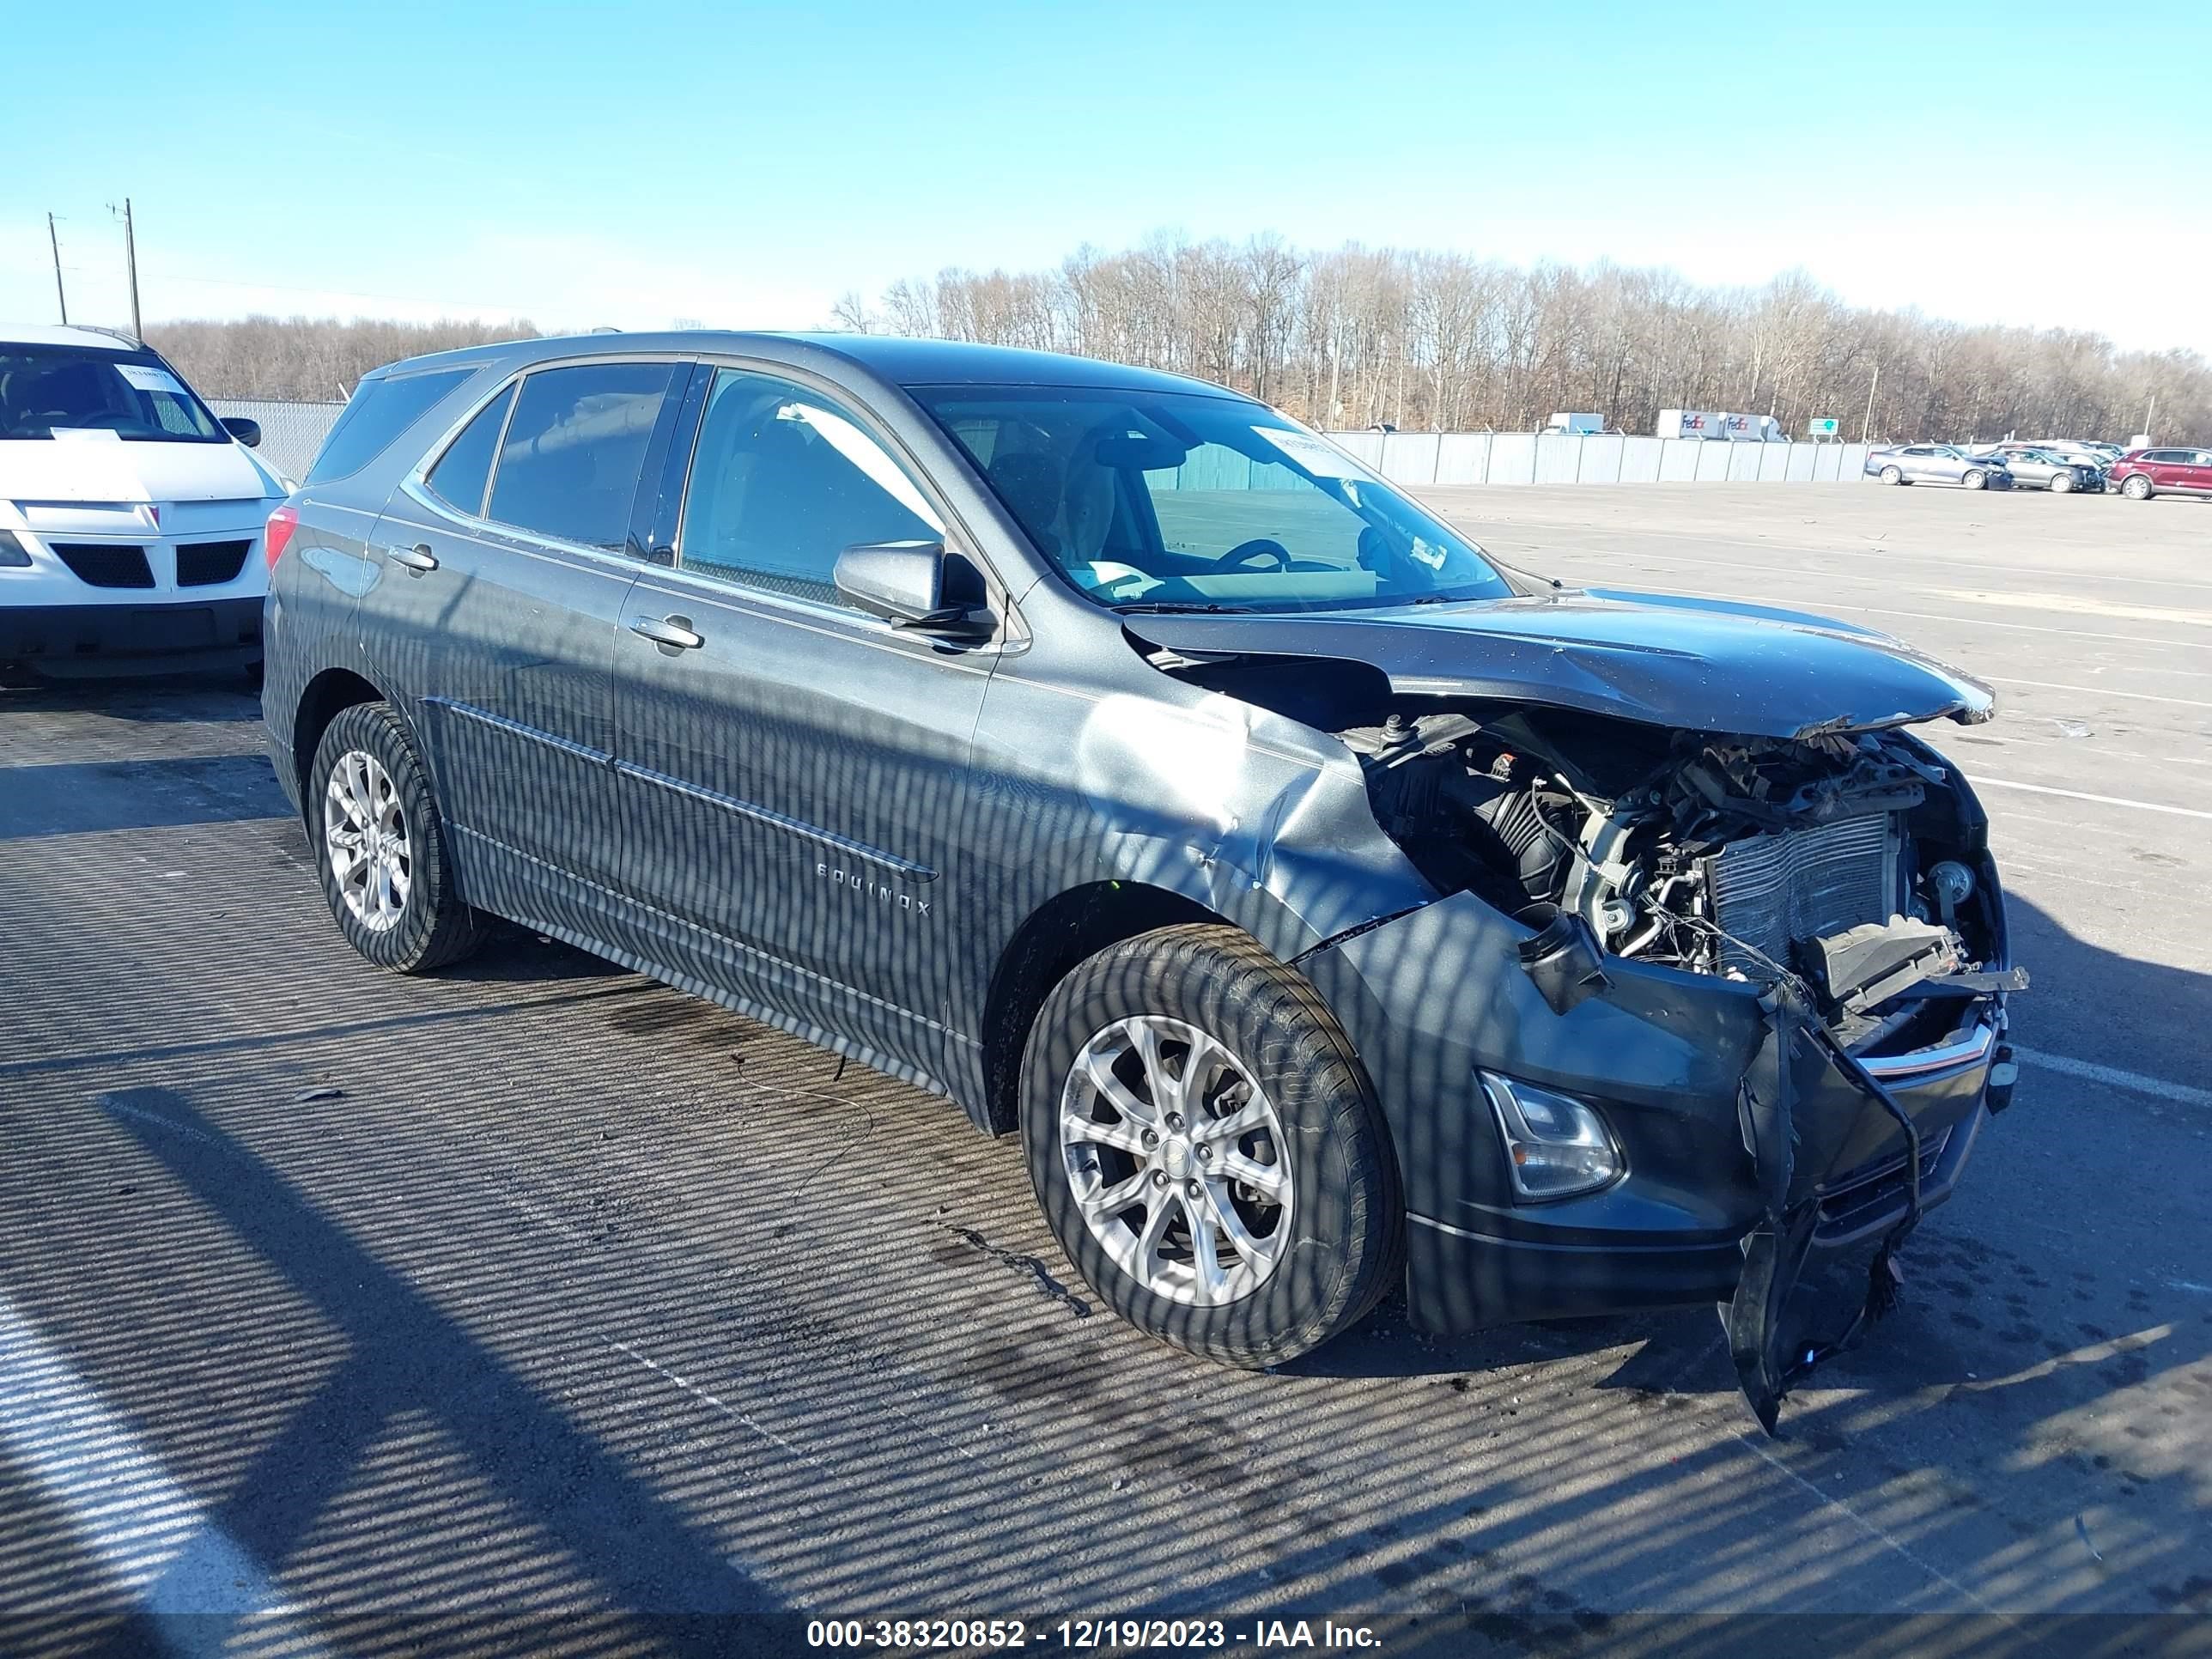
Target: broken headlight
{"type": "Point", "coordinates": [1555, 1144]}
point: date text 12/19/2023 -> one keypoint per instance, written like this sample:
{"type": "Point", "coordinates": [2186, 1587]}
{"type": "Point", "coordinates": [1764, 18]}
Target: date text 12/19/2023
{"type": "Point", "coordinates": [915, 1635]}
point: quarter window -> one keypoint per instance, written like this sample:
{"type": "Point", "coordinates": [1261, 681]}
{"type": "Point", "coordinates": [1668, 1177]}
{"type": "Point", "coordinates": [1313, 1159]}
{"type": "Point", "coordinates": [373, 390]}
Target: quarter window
{"type": "Point", "coordinates": [464, 469]}
{"type": "Point", "coordinates": [378, 412]}
{"type": "Point", "coordinates": [576, 450]}
{"type": "Point", "coordinates": [783, 482]}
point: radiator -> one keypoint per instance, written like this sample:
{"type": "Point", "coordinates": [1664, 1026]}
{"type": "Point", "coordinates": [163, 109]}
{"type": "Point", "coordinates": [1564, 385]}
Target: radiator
{"type": "Point", "coordinates": [1770, 890]}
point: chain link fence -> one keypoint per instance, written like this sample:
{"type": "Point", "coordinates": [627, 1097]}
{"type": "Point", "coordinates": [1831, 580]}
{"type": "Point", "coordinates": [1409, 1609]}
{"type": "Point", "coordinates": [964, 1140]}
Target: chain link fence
{"type": "Point", "coordinates": [290, 433]}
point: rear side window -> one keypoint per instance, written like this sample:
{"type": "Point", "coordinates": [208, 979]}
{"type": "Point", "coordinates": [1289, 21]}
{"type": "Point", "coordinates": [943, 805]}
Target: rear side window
{"type": "Point", "coordinates": [464, 471]}
{"type": "Point", "coordinates": [378, 412]}
{"type": "Point", "coordinates": [576, 450]}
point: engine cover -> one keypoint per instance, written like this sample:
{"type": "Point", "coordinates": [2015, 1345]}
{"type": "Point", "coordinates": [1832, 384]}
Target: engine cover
{"type": "Point", "coordinates": [1772, 890]}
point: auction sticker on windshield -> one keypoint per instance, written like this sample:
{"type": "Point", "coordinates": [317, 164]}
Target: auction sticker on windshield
{"type": "Point", "coordinates": [146, 377]}
{"type": "Point", "coordinates": [1321, 459]}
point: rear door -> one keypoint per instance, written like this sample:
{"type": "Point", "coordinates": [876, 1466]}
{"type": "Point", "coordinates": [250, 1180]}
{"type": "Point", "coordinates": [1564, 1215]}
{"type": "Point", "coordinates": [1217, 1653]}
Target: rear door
{"type": "Point", "coordinates": [2196, 476]}
{"type": "Point", "coordinates": [505, 559]}
{"type": "Point", "coordinates": [792, 771]}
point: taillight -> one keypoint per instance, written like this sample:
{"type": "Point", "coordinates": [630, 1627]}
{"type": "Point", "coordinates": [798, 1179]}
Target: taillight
{"type": "Point", "coordinates": [282, 523]}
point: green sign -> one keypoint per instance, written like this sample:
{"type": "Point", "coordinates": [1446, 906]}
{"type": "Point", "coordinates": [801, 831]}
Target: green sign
{"type": "Point", "coordinates": [1822, 426]}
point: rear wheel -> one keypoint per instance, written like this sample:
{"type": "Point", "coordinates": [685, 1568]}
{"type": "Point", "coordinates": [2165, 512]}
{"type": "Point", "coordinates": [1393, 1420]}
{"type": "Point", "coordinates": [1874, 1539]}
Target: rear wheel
{"type": "Point", "coordinates": [380, 848]}
{"type": "Point", "coordinates": [1975, 481]}
{"type": "Point", "coordinates": [1892, 475]}
{"type": "Point", "coordinates": [2137, 489]}
{"type": "Point", "coordinates": [1206, 1149]}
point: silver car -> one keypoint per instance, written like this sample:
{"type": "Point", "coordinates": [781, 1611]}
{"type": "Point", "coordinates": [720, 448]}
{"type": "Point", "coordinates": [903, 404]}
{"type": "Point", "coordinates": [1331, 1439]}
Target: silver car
{"type": "Point", "coordinates": [2030, 465]}
{"type": "Point", "coordinates": [1946, 464]}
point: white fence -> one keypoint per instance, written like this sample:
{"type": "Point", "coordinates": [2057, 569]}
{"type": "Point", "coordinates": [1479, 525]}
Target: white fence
{"type": "Point", "coordinates": [291, 433]}
{"type": "Point", "coordinates": [1554, 457]}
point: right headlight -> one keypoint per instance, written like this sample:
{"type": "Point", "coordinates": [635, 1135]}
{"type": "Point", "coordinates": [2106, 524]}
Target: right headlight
{"type": "Point", "coordinates": [1556, 1145]}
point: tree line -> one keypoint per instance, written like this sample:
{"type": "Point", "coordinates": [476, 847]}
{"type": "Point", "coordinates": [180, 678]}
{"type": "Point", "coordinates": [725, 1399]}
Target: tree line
{"type": "Point", "coordinates": [1356, 337]}
{"type": "Point", "coordinates": [307, 359]}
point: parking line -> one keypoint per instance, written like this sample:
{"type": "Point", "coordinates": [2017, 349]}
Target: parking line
{"type": "Point", "coordinates": [2180, 1093]}
{"type": "Point", "coordinates": [1979, 781]}
{"type": "Point", "coordinates": [147, 1532]}
{"type": "Point", "coordinates": [2097, 690]}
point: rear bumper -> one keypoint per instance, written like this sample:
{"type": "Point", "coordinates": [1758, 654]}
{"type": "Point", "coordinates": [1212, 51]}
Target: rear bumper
{"type": "Point", "coordinates": [73, 639]}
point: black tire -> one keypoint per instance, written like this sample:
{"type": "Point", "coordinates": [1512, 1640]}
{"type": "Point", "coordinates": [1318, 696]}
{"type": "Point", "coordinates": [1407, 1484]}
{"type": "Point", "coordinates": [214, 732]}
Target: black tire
{"type": "Point", "coordinates": [2137, 489]}
{"type": "Point", "coordinates": [1975, 480]}
{"type": "Point", "coordinates": [2061, 484]}
{"type": "Point", "coordinates": [434, 928]}
{"type": "Point", "coordinates": [1892, 475]}
{"type": "Point", "coordinates": [1346, 1220]}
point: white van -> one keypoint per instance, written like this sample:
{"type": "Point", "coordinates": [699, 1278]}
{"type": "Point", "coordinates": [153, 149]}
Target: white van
{"type": "Point", "coordinates": [131, 517]}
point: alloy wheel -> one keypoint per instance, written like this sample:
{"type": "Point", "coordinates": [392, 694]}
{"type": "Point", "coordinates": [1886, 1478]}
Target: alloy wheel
{"type": "Point", "coordinates": [365, 833]}
{"type": "Point", "coordinates": [1176, 1159]}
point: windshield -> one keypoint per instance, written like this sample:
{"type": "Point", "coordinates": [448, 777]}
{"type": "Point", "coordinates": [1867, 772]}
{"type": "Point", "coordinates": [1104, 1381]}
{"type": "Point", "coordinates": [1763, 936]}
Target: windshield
{"type": "Point", "coordinates": [1170, 501]}
{"type": "Point", "coordinates": [72, 392]}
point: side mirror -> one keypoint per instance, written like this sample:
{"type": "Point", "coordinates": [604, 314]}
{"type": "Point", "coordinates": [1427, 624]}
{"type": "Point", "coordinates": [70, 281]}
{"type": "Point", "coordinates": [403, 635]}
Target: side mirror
{"type": "Point", "coordinates": [247, 432]}
{"type": "Point", "coordinates": [906, 583]}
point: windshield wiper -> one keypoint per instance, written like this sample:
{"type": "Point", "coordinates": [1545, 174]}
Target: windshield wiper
{"type": "Point", "coordinates": [1175, 607]}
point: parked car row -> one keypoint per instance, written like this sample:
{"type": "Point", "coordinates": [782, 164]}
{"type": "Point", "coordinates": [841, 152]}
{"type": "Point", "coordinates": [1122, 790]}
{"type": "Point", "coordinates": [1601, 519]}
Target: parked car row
{"type": "Point", "coordinates": [2060, 467]}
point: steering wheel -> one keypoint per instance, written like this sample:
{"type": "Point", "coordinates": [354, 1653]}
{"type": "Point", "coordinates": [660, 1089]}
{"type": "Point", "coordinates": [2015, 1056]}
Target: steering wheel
{"type": "Point", "coordinates": [1244, 552]}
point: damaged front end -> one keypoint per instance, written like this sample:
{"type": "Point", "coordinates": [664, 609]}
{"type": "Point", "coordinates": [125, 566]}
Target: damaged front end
{"type": "Point", "coordinates": [1776, 967]}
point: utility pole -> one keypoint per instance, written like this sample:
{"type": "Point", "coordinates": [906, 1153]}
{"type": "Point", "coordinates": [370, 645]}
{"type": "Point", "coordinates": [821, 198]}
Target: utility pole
{"type": "Point", "coordinates": [1866, 430]}
{"type": "Point", "coordinates": [61, 293]}
{"type": "Point", "coordinates": [130, 258]}
{"type": "Point", "coordinates": [2147, 414]}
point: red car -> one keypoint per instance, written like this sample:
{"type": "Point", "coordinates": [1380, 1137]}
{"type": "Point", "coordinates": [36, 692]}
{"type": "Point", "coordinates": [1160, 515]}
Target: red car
{"type": "Point", "coordinates": [2141, 473]}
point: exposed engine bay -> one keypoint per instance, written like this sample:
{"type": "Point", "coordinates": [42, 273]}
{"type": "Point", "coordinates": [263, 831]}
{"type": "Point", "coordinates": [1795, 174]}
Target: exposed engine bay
{"type": "Point", "coordinates": [1840, 858]}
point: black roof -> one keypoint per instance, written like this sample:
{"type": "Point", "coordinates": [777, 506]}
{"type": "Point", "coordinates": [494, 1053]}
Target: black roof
{"type": "Point", "coordinates": [898, 359]}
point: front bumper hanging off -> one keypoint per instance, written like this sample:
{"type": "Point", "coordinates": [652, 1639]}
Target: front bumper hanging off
{"type": "Point", "coordinates": [1751, 1140]}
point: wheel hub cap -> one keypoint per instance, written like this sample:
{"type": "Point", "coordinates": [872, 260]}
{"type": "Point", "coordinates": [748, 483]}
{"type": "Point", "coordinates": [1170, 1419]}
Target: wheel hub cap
{"type": "Point", "coordinates": [366, 838]}
{"type": "Point", "coordinates": [1176, 1159]}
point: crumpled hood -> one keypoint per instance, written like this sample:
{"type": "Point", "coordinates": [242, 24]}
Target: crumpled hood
{"type": "Point", "coordinates": [107, 470]}
{"type": "Point", "coordinates": [1700, 665]}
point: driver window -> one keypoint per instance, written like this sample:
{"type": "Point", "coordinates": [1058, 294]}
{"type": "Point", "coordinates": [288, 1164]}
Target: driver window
{"type": "Point", "coordinates": [783, 482]}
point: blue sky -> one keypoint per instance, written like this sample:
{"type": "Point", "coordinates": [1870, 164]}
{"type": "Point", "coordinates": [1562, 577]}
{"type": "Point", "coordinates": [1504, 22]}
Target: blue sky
{"type": "Point", "coordinates": [744, 165]}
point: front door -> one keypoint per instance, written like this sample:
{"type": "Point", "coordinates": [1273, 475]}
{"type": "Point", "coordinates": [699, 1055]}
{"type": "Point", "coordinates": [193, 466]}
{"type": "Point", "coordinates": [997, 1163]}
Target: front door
{"type": "Point", "coordinates": [505, 561]}
{"type": "Point", "coordinates": [793, 772]}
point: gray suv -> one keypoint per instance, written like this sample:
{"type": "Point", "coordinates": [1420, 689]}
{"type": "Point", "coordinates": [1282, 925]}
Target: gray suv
{"type": "Point", "coordinates": [2030, 465]}
{"type": "Point", "coordinates": [1328, 905]}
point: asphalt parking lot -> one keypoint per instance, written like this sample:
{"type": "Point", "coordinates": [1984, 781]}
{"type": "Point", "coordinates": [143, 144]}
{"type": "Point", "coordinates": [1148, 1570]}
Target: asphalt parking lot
{"type": "Point", "coordinates": [548, 1308]}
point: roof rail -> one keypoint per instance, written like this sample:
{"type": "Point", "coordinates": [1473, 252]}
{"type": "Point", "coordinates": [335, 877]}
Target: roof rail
{"type": "Point", "coordinates": [124, 334]}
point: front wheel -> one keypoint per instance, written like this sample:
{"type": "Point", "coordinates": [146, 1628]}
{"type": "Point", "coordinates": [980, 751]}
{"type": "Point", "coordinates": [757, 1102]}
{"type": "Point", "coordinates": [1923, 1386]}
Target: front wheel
{"type": "Point", "coordinates": [1892, 475]}
{"type": "Point", "coordinates": [1975, 480]}
{"type": "Point", "coordinates": [2137, 489]}
{"type": "Point", "coordinates": [2061, 484]}
{"type": "Point", "coordinates": [380, 849]}
{"type": "Point", "coordinates": [1206, 1149]}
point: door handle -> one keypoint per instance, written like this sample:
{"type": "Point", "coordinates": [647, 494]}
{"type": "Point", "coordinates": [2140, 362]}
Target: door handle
{"type": "Point", "coordinates": [418, 558]}
{"type": "Point", "coordinates": [672, 631]}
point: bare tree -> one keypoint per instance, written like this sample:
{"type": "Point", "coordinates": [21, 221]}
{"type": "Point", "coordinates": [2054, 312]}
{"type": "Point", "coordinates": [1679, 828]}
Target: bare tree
{"type": "Point", "coordinates": [307, 359]}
